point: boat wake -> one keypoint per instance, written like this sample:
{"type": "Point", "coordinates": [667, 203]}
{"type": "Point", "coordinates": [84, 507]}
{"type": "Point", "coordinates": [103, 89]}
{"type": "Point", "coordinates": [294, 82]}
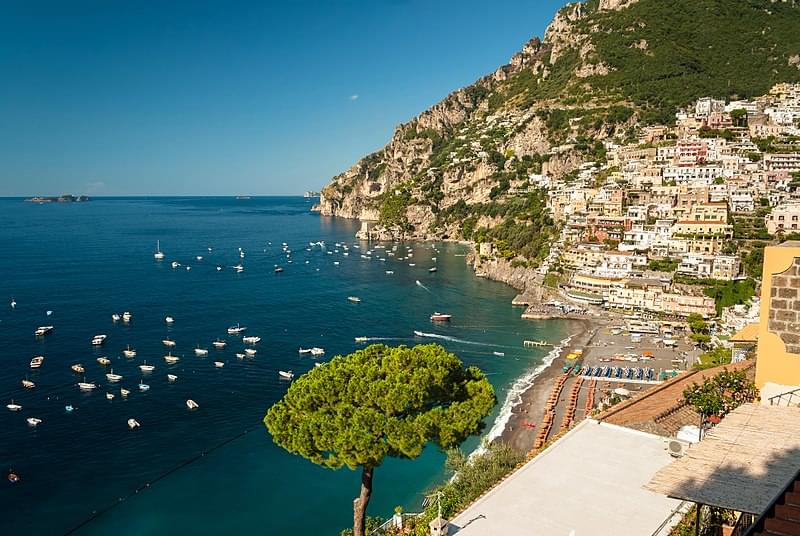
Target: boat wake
{"type": "Point", "coordinates": [455, 339]}
{"type": "Point", "coordinates": [514, 395]}
{"type": "Point", "coordinates": [422, 286]}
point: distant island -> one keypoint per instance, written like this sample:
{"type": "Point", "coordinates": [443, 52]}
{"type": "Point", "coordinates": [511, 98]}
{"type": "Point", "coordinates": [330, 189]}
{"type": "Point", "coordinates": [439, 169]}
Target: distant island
{"type": "Point", "coordinates": [66, 198]}
{"type": "Point", "coordinates": [310, 194]}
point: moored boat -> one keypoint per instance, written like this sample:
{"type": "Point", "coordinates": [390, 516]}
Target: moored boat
{"type": "Point", "coordinates": [286, 374]}
{"type": "Point", "coordinates": [129, 352]}
{"type": "Point", "coordinates": [37, 361]}
{"type": "Point", "coordinates": [133, 423]}
{"type": "Point", "coordinates": [109, 396]}
{"type": "Point", "coordinates": [235, 330]}
{"type": "Point", "coordinates": [13, 406]}
{"type": "Point", "coordinates": [99, 340]}
{"type": "Point", "coordinates": [33, 421]}
{"type": "Point", "coordinates": [144, 367]}
{"type": "Point", "coordinates": [27, 384]}
{"type": "Point", "coordinates": [126, 316]}
{"type": "Point", "coordinates": [41, 331]}
{"type": "Point", "coordinates": [77, 368]}
{"type": "Point", "coordinates": [113, 377]}
{"type": "Point", "coordinates": [169, 320]}
{"type": "Point", "coordinates": [317, 351]}
{"type": "Point", "coordinates": [200, 352]}
{"type": "Point", "coordinates": [115, 317]}
{"type": "Point", "coordinates": [171, 359]}
{"type": "Point", "coordinates": [171, 378]}
{"type": "Point", "coordinates": [219, 364]}
{"type": "Point", "coordinates": [103, 360]}
{"type": "Point", "coordinates": [250, 351]}
{"type": "Point", "coordinates": [143, 386]}
{"type": "Point", "coordinates": [354, 299]}
{"type": "Point", "coordinates": [191, 404]}
{"type": "Point", "coordinates": [251, 339]}
{"type": "Point", "coordinates": [86, 386]}
{"type": "Point", "coordinates": [168, 342]}
{"type": "Point", "coordinates": [219, 343]}
{"type": "Point", "coordinates": [158, 255]}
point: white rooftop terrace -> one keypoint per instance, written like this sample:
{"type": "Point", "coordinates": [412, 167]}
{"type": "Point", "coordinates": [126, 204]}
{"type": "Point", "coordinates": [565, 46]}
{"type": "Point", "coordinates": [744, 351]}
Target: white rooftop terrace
{"type": "Point", "coordinates": [591, 482]}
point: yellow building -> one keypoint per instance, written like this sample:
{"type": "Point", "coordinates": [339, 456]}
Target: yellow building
{"type": "Point", "coordinates": [778, 354]}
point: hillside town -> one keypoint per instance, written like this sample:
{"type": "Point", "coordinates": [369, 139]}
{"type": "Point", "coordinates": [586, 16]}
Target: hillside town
{"type": "Point", "coordinates": [680, 209]}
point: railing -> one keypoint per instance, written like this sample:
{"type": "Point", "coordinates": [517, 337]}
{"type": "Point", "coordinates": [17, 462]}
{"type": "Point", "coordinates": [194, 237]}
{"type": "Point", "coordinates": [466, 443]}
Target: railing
{"type": "Point", "coordinates": [743, 524]}
{"type": "Point", "coordinates": [388, 526]}
{"type": "Point", "coordinates": [666, 526]}
{"type": "Point", "coordinates": [788, 396]}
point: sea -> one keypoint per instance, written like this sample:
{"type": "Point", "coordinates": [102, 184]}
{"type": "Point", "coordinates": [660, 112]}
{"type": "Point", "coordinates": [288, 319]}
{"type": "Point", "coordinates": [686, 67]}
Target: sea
{"type": "Point", "coordinates": [215, 470]}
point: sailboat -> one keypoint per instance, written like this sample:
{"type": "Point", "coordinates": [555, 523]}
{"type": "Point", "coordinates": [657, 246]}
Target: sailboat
{"type": "Point", "coordinates": [113, 377]}
{"type": "Point", "coordinates": [158, 255]}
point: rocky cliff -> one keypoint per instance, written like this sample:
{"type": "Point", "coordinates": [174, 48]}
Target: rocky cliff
{"type": "Point", "coordinates": [461, 169]}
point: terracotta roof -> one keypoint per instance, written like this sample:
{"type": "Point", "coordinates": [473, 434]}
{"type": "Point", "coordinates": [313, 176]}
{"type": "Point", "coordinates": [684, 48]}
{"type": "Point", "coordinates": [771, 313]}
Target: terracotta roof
{"type": "Point", "coordinates": [661, 410]}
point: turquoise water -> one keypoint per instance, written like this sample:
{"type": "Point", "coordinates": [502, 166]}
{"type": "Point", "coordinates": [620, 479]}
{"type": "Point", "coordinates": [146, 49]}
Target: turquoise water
{"type": "Point", "coordinates": [86, 261]}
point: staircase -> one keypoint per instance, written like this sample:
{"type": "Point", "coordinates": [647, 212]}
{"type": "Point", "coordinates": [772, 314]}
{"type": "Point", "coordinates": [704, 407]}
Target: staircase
{"type": "Point", "coordinates": [783, 517]}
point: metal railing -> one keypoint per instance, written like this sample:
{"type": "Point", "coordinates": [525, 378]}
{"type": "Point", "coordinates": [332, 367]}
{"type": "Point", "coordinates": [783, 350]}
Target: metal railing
{"type": "Point", "coordinates": [788, 396]}
{"type": "Point", "coordinates": [743, 524]}
{"type": "Point", "coordinates": [389, 527]}
{"type": "Point", "coordinates": [666, 526]}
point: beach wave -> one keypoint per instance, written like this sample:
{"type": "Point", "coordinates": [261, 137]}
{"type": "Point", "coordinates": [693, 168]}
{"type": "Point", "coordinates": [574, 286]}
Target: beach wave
{"type": "Point", "coordinates": [514, 395]}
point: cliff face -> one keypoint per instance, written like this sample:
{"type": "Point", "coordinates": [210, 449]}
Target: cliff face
{"type": "Point", "coordinates": [603, 67]}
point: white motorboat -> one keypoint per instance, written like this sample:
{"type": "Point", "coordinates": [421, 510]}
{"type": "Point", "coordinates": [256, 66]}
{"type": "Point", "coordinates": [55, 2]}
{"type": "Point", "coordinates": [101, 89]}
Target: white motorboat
{"type": "Point", "coordinates": [354, 299]}
{"type": "Point", "coordinates": [143, 386]}
{"type": "Point", "coordinates": [144, 367]}
{"type": "Point", "coordinates": [191, 404]}
{"type": "Point", "coordinates": [238, 268]}
{"type": "Point", "coordinates": [126, 316]}
{"type": "Point", "coordinates": [199, 257]}
{"type": "Point", "coordinates": [240, 355]}
{"type": "Point", "coordinates": [41, 331]}
{"type": "Point", "coordinates": [37, 361]}
{"type": "Point", "coordinates": [175, 264]}
{"type": "Point", "coordinates": [286, 374]}
{"type": "Point", "coordinates": [169, 320]}
{"type": "Point", "coordinates": [200, 352]}
{"type": "Point", "coordinates": [102, 360]}
{"type": "Point", "coordinates": [432, 269]}
{"type": "Point", "coordinates": [77, 368]}
{"type": "Point", "coordinates": [171, 359]}
{"type": "Point", "coordinates": [250, 351]}
{"type": "Point", "coordinates": [113, 377]}
{"type": "Point", "coordinates": [219, 268]}
{"type": "Point", "coordinates": [129, 352]}
{"type": "Point", "coordinates": [115, 317]}
{"type": "Point", "coordinates": [13, 406]}
{"type": "Point", "coordinates": [317, 351]}
{"type": "Point", "coordinates": [124, 392]}
{"type": "Point", "coordinates": [99, 340]}
{"type": "Point", "coordinates": [133, 423]}
{"type": "Point", "coordinates": [13, 303]}
{"type": "Point", "coordinates": [219, 364]}
{"type": "Point", "coordinates": [251, 339]}
{"type": "Point", "coordinates": [27, 384]}
{"type": "Point", "coordinates": [389, 272]}
{"type": "Point", "coordinates": [235, 330]}
{"type": "Point", "coordinates": [158, 255]}
{"type": "Point", "coordinates": [304, 350]}
{"type": "Point", "coordinates": [86, 386]}
{"type": "Point", "coordinates": [33, 421]}
{"type": "Point", "coordinates": [219, 344]}
{"type": "Point", "coordinates": [171, 378]}
{"type": "Point", "coordinates": [499, 354]}
{"type": "Point", "coordinates": [109, 396]}
{"type": "Point", "coordinates": [361, 339]}
{"type": "Point", "coordinates": [168, 343]}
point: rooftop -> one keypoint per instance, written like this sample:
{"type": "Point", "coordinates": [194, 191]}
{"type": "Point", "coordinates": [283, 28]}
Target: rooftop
{"type": "Point", "coordinates": [594, 478]}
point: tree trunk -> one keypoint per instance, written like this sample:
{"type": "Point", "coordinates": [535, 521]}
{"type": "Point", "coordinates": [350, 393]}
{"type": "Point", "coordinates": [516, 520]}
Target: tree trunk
{"type": "Point", "coordinates": [360, 503]}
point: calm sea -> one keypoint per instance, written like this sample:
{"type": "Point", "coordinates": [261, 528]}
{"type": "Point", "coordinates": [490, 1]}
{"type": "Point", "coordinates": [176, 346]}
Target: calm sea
{"type": "Point", "coordinates": [197, 472]}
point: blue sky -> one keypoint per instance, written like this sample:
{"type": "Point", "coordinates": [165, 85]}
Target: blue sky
{"type": "Point", "coordinates": [107, 97]}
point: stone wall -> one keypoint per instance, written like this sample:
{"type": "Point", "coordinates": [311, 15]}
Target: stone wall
{"type": "Point", "coordinates": [784, 307]}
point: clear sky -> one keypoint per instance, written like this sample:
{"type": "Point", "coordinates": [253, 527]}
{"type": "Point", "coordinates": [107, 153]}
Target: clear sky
{"type": "Point", "coordinates": [141, 97]}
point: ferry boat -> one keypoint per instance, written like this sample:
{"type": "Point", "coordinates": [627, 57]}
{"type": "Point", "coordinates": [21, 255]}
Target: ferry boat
{"type": "Point", "coordinates": [37, 361]}
{"type": "Point", "coordinates": [41, 331]}
{"type": "Point", "coordinates": [158, 255]}
{"type": "Point", "coordinates": [235, 330]}
{"type": "Point", "coordinates": [440, 317]}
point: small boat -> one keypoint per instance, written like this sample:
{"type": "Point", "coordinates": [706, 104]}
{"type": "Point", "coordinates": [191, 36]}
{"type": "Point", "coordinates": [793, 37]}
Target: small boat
{"type": "Point", "coordinates": [191, 404]}
{"type": "Point", "coordinates": [200, 352]}
{"type": "Point", "coordinates": [219, 344]}
{"type": "Point", "coordinates": [69, 408]}
{"type": "Point", "coordinates": [13, 303]}
{"type": "Point", "coordinates": [109, 396]}
{"type": "Point", "coordinates": [102, 360]}
{"type": "Point", "coordinates": [219, 268]}
{"type": "Point", "coordinates": [432, 269]}
{"type": "Point", "coordinates": [354, 299]}
{"type": "Point", "coordinates": [440, 317]}
{"type": "Point", "coordinates": [124, 392]}
{"type": "Point", "coordinates": [278, 269]}
{"type": "Point", "coordinates": [41, 331]}
{"type": "Point", "coordinates": [86, 386]}
{"type": "Point", "coordinates": [33, 421]}
{"type": "Point", "coordinates": [143, 386]}
{"type": "Point", "coordinates": [77, 368]}
{"type": "Point", "coordinates": [188, 268]}
{"type": "Point", "coordinates": [361, 339]}
{"type": "Point", "coordinates": [219, 364]}
{"type": "Point", "coordinates": [317, 351]}
{"type": "Point", "coordinates": [27, 384]}
{"type": "Point", "coordinates": [304, 350]}
{"type": "Point", "coordinates": [250, 351]}
{"type": "Point", "coordinates": [37, 361]}
{"type": "Point", "coordinates": [199, 257]}
{"type": "Point", "coordinates": [418, 333]}
{"type": "Point", "coordinates": [251, 339]}
{"type": "Point", "coordinates": [13, 406]}
{"type": "Point", "coordinates": [172, 359]}
{"type": "Point", "coordinates": [115, 317]}
{"type": "Point", "coordinates": [171, 378]}
{"type": "Point", "coordinates": [175, 264]}
{"type": "Point", "coordinates": [168, 342]}
{"type": "Point", "coordinates": [126, 316]}
{"type": "Point", "coordinates": [389, 272]}
{"type": "Point", "coordinates": [158, 255]}
{"type": "Point", "coordinates": [499, 354]}
{"type": "Point", "coordinates": [411, 264]}
{"type": "Point", "coordinates": [238, 268]}
{"type": "Point", "coordinates": [235, 330]}
{"type": "Point", "coordinates": [169, 320]}
{"type": "Point", "coordinates": [146, 368]}
{"type": "Point", "coordinates": [286, 374]}
{"type": "Point", "coordinates": [113, 377]}
{"type": "Point", "coordinates": [133, 423]}
{"type": "Point", "coordinates": [240, 355]}
{"type": "Point", "coordinates": [129, 352]}
{"type": "Point", "coordinates": [99, 340]}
